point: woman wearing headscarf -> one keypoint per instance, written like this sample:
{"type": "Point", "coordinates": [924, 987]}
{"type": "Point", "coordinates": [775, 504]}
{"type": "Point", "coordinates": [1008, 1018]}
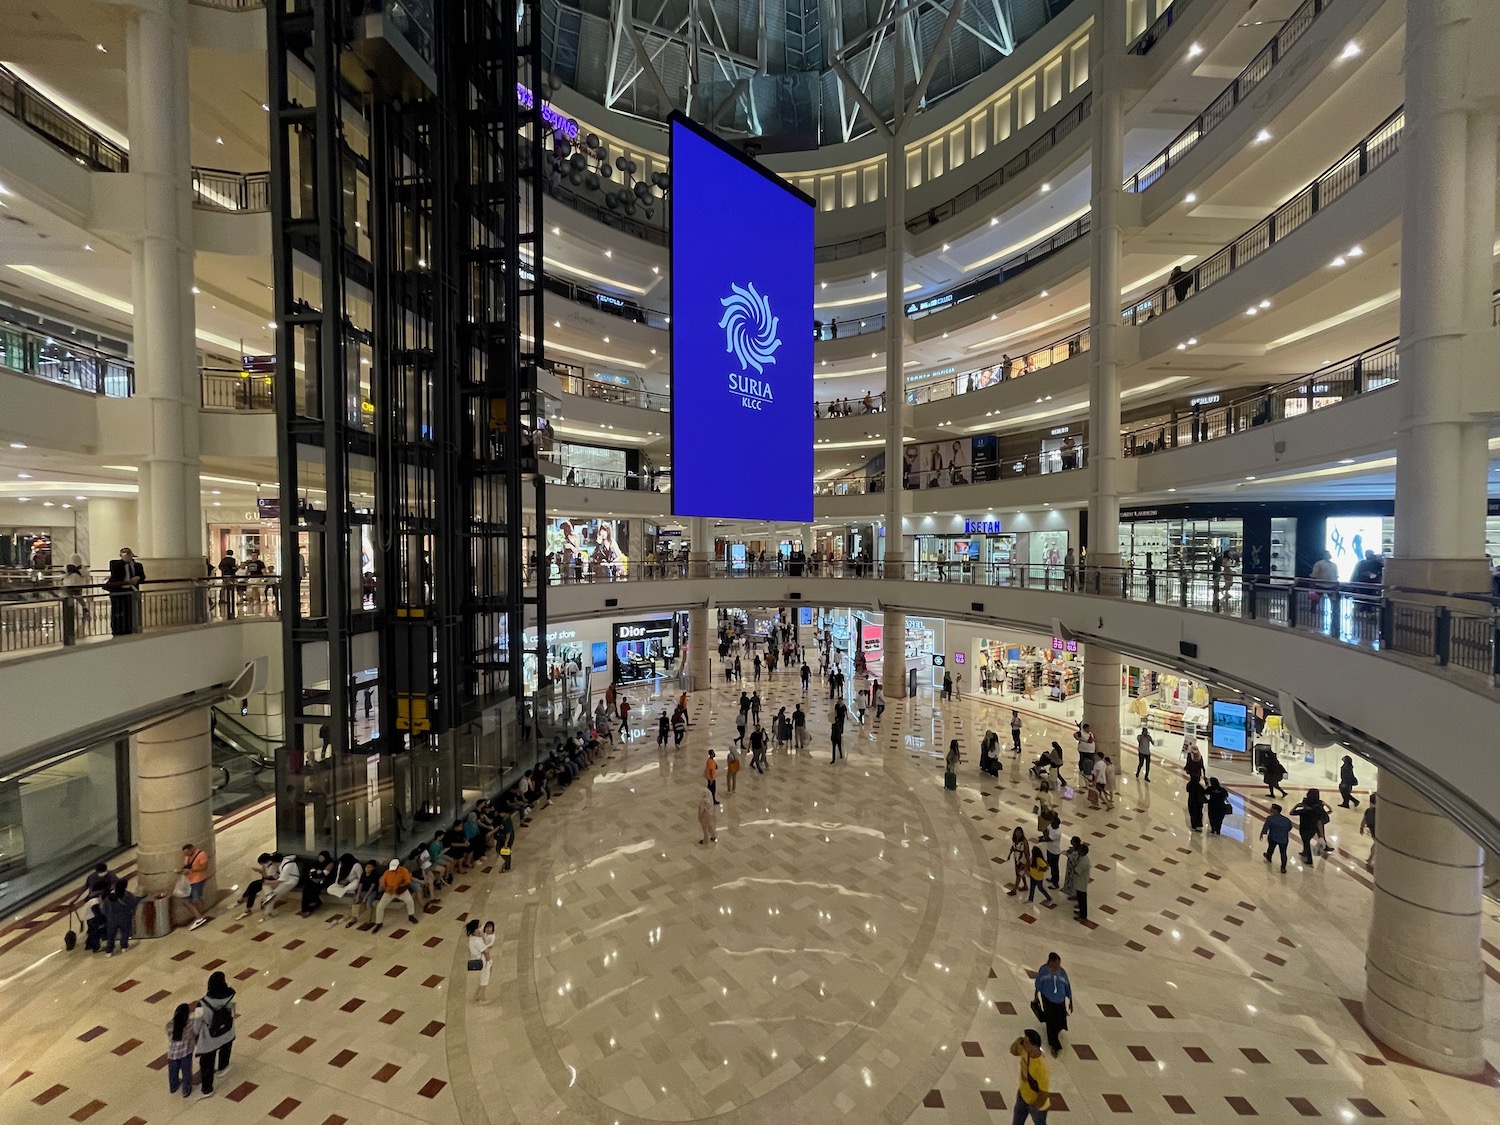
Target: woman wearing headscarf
{"type": "Point", "coordinates": [706, 815]}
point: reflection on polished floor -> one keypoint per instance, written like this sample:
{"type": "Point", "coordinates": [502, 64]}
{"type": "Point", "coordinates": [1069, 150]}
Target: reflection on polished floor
{"type": "Point", "coordinates": [845, 951]}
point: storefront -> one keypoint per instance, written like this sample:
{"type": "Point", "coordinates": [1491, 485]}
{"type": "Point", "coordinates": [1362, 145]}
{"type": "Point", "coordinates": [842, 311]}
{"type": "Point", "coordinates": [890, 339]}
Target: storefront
{"type": "Point", "coordinates": [1028, 669]}
{"type": "Point", "coordinates": [989, 548]}
{"type": "Point", "coordinates": [647, 648]}
{"type": "Point", "coordinates": [61, 816]}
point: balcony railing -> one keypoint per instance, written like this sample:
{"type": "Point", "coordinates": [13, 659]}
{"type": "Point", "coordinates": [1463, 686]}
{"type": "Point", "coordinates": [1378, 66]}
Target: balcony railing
{"type": "Point", "coordinates": [1292, 30]}
{"type": "Point", "coordinates": [1019, 263]}
{"type": "Point", "coordinates": [87, 146]}
{"type": "Point", "coordinates": [613, 393]}
{"type": "Point", "coordinates": [45, 616]}
{"type": "Point", "coordinates": [1152, 35]}
{"type": "Point", "coordinates": [215, 189]}
{"type": "Point", "coordinates": [1382, 143]}
{"type": "Point", "coordinates": [33, 353]}
{"type": "Point", "coordinates": [918, 477]}
{"type": "Point", "coordinates": [232, 389]}
{"type": "Point", "coordinates": [583, 476]}
{"type": "Point", "coordinates": [1370, 370]}
{"type": "Point", "coordinates": [605, 302]}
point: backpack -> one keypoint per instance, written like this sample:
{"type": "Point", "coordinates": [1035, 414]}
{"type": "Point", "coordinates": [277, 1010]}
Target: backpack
{"type": "Point", "coordinates": [220, 1021]}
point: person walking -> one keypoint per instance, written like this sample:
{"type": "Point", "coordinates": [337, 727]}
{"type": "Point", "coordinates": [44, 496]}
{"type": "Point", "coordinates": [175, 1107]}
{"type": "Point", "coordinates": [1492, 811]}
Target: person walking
{"type": "Point", "coordinates": [1347, 782]}
{"type": "Point", "coordinates": [758, 746]}
{"type": "Point", "coordinates": [836, 737]}
{"type": "Point", "coordinates": [1079, 872]}
{"type": "Point", "coordinates": [711, 776]}
{"type": "Point", "coordinates": [1219, 806]}
{"type": "Point", "coordinates": [1277, 832]}
{"type": "Point", "coordinates": [1194, 766]}
{"type": "Point", "coordinates": [877, 698]}
{"type": "Point", "coordinates": [1367, 824]}
{"type": "Point", "coordinates": [1143, 744]}
{"type": "Point", "coordinates": [706, 805]}
{"type": "Point", "coordinates": [1020, 858]}
{"type": "Point", "coordinates": [1273, 771]}
{"type": "Point", "coordinates": [679, 725]}
{"type": "Point", "coordinates": [1053, 1000]}
{"type": "Point", "coordinates": [1311, 814]}
{"type": "Point", "coordinates": [663, 728]}
{"type": "Point", "coordinates": [1015, 732]}
{"type": "Point", "coordinates": [1197, 798]}
{"type": "Point", "coordinates": [182, 1036]}
{"type": "Point", "coordinates": [806, 677]}
{"type": "Point", "coordinates": [741, 721]}
{"type": "Point", "coordinates": [1033, 1098]}
{"type": "Point", "coordinates": [216, 1018]}
{"type": "Point", "coordinates": [731, 769]}
{"type": "Point", "coordinates": [947, 684]}
{"type": "Point", "coordinates": [1037, 873]}
{"type": "Point", "coordinates": [799, 727]}
{"type": "Point", "coordinates": [624, 720]}
{"type": "Point", "coordinates": [1088, 746]}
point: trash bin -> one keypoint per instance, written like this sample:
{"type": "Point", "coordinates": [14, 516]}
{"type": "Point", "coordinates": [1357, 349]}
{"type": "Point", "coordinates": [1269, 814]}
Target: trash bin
{"type": "Point", "coordinates": [156, 917]}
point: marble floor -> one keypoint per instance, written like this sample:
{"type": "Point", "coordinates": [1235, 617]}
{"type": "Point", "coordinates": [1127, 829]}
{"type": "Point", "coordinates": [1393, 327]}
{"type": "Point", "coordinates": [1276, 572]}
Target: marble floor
{"type": "Point", "coordinates": [846, 950]}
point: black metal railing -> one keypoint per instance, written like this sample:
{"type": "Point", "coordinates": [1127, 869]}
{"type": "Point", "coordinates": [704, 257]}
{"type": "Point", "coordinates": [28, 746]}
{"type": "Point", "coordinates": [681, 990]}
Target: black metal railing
{"type": "Point", "coordinates": [225, 388]}
{"type": "Point", "coordinates": [1152, 35]}
{"type": "Point", "coordinates": [1262, 64]}
{"type": "Point", "coordinates": [1370, 370]}
{"type": "Point", "coordinates": [919, 477]}
{"type": "Point", "coordinates": [1379, 146]}
{"type": "Point", "coordinates": [615, 394]}
{"type": "Point", "coordinates": [30, 352]}
{"type": "Point", "coordinates": [64, 131]}
{"type": "Point", "coordinates": [216, 189]}
{"type": "Point", "coordinates": [1039, 251]}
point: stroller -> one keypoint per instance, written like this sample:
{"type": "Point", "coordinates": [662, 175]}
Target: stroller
{"type": "Point", "coordinates": [1043, 773]}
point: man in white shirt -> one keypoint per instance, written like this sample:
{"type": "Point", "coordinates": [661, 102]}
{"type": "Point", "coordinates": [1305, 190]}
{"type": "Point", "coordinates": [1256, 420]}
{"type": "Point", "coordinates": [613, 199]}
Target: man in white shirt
{"type": "Point", "coordinates": [287, 879]}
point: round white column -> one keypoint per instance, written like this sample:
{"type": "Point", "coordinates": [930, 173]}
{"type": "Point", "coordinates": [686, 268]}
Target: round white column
{"type": "Point", "coordinates": [1101, 698]}
{"type": "Point", "coordinates": [174, 794]}
{"type": "Point", "coordinates": [1424, 977]}
{"type": "Point", "coordinates": [893, 654]}
{"type": "Point", "coordinates": [700, 647]}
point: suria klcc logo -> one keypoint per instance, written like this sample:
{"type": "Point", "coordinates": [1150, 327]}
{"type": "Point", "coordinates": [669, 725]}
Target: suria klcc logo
{"type": "Point", "coordinates": [753, 335]}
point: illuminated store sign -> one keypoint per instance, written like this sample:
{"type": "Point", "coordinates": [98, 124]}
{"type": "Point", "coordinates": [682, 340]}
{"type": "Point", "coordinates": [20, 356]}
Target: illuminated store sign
{"type": "Point", "coordinates": [981, 527]}
{"type": "Point", "coordinates": [552, 116]}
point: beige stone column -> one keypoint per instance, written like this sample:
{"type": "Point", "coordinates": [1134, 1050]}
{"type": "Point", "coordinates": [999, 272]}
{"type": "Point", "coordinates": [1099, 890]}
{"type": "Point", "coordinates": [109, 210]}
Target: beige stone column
{"type": "Point", "coordinates": [893, 654]}
{"type": "Point", "coordinates": [173, 794]}
{"type": "Point", "coordinates": [1424, 977]}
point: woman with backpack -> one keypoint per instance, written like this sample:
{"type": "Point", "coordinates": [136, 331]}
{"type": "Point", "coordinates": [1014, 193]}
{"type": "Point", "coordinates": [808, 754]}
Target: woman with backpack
{"type": "Point", "coordinates": [215, 1019]}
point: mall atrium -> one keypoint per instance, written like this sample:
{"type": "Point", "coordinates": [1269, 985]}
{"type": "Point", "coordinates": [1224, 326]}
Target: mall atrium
{"type": "Point", "coordinates": [370, 534]}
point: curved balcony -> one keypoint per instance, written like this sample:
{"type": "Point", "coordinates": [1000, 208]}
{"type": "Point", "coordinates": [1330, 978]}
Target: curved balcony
{"type": "Point", "coordinates": [1354, 657]}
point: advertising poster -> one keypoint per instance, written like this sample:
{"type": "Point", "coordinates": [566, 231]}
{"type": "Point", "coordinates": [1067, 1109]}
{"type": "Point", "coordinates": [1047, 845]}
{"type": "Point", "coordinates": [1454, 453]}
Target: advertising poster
{"type": "Point", "coordinates": [985, 457]}
{"type": "Point", "coordinates": [742, 346]}
{"type": "Point", "coordinates": [1349, 537]}
{"type": "Point", "coordinates": [938, 464]}
{"type": "Point", "coordinates": [1229, 726]}
{"type": "Point", "coordinates": [589, 549]}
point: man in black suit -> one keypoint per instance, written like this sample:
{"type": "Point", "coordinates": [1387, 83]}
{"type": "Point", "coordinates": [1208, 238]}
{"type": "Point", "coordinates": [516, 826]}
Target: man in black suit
{"type": "Point", "coordinates": [125, 578]}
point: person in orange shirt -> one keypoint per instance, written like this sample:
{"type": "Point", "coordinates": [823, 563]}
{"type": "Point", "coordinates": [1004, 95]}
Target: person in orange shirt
{"type": "Point", "coordinates": [395, 883]}
{"type": "Point", "coordinates": [195, 868]}
{"type": "Point", "coordinates": [711, 775]}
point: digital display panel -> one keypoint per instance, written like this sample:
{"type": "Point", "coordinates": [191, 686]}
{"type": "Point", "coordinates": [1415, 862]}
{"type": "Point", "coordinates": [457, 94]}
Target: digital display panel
{"type": "Point", "coordinates": [1348, 538]}
{"type": "Point", "coordinates": [742, 335]}
{"type": "Point", "coordinates": [1229, 726]}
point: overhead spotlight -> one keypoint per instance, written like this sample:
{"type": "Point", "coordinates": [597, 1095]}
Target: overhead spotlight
{"type": "Point", "coordinates": [1046, 188]}
{"type": "Point", "coordinates": [1251, 311]}
{"type": "Point", "coordinates": [1351, 50]}
{"type": "Point", "coordinates": [995, 222]}
{"type": "Point", "coordinates": [103, 50]}
{"type": "Point", "coordinates": [1045, 293]}
{"type": "Point", "coordinates": [1338, 262]}
{"type": "Point", "coordinates": [825, 285]}
{"type": "Point", "coordinates": [656, 269]}
{"type": "Point", "coordinates": [1265, 304]}
{"type": "Point", "coordinates": [609, 253]}
{"type": "Point", "coordinates": [196, 291]}
{"type": "Point", "coordinates": [945, 248]}
{"type": "Point", "coordinates": [18, 445]}
{"type": "Point", "coordinates": [1190, 197]}
{"type": "Point", "coordinates": [1263, 136]}
{"type": "Point", "coordinates": [1192, 341]}
{"type": "Point", "coordinates": [218, 140]}
{"type": "Point", "coordinates": [557, 230]}
{"type": "Point", "coordinates": [1182, 347]}
{"type": "Point", "coordinates": [872, 275]}
{"type": "Point", "coordinates": [1194, 51]}
{"type": "Point", "coordinates": [1355, 252]}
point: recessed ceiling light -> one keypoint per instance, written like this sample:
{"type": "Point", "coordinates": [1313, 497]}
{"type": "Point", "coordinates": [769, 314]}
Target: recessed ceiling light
{"type": "Point", "coordinates": [24, 499]}
{"type": "Point", "coordinates": [1046, 187]}
{"type": "Point", "coordinates": [1045, 293]}
{"type": "Point", "coordinates": [48, 504]}
{"type": "Point", "coordinates": [1190, 197]}
{"type": "Point", "coordinates": [1263, 136]}
{"type": "Point", "coordinates": [1251, 311]}
{"type": "Point", "coordinates": [557, 230]}
{"type": "Point", "coordinates": [945, 248]}
{"type": "Point", "coordinates": [265, 107]}
{"type": "Point", "coordinates": [217, 504]}
{"type": "Point", "coordinates": [18, 445]}
{"type": "Point", "coordinates": [656, 269]}
{"type": "Point", "coordinates": [218, 140]}
{"type": "Point", "coordinates": [271, 324]}
{"type": "Point", "coordinates": [1171, 490]}
{"type": "Point", "coordinates": [1249, 478]}
{"type": "Point", "coordinates": [825, 285]}
{"type": "Point", "coordinates": [1265, 304]}
{"type": "Point", "coordinates": [196, 291]}
{"type": "Point", "coordinates": [606, 339]}
{"type": "Point", "coordinates": [609, 253]}
{"type": "Point", "coordinates": [23, 476]}
{"type": "Point", "coordinates": [80, 498]}
{"type": "Point", "coordinates": [1346, 461]}
{"type": "Point", "coordinates": [89, 247]}
{"type": "Point", "coordinates": [653, 351]}
{"type": "Point", "coordinates": [1350, 51]}
{"type": "Point", "coordinates": [1338, 262]}
{"type": "Point", "coordinates": [1192, 341]}
{"type": "Point", "coordinates": [872, 275]}
{"type": "Point", "coordinates": [995, 222]}
{"type": "Point", "coordinates": [1194, 51]}
{"type": "Point", "coordinates": [1355, 252]}
{"type": "Point", "coordinates": [103, 50]}
{"type": "Point", "coordinates": [1182, 347]}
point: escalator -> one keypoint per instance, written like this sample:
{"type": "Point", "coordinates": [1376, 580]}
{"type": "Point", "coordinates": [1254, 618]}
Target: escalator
{"type": "Point", "coordinates": [244, 764]}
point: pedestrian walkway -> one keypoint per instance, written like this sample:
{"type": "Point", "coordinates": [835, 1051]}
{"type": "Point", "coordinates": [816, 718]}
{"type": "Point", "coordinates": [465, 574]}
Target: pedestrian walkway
{"type": "Point", "coordinates": [845, 951]}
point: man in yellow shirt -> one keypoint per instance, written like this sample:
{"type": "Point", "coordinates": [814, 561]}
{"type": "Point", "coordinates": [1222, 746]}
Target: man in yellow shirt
{"type": "Point", "coordinates": [1032, 1095]}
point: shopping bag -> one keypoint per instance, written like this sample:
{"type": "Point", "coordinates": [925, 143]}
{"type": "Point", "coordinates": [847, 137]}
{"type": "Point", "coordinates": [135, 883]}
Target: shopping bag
{"type": "Point", "coordinates": [183, 888]}
{"type": "Point", "coordinates": [1067, 792]}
